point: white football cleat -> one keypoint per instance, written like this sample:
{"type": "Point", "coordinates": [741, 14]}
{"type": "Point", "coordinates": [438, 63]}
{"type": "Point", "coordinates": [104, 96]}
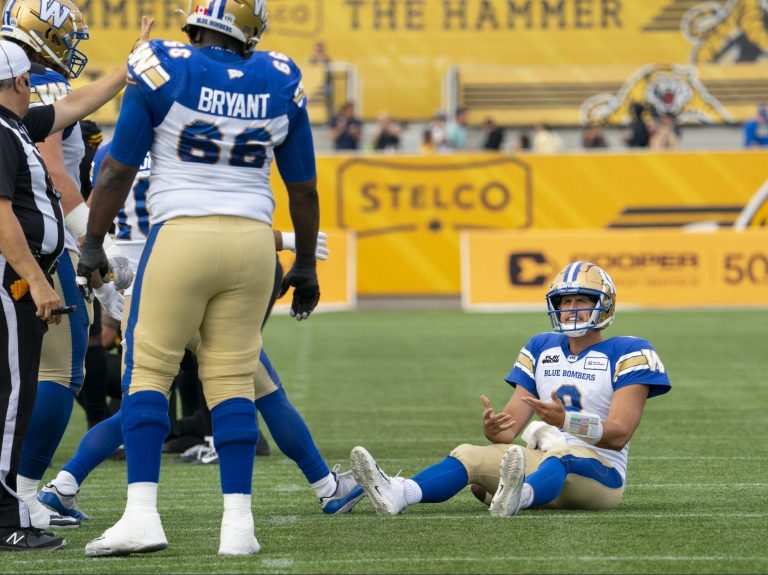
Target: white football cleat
{"type": "Point", "coordinates": [237, 536]}
{"type": "Point", "coordinates": [43, 518]}
{"type": "Point", "coordinates": [131, 534]}
{"type": "Point", "coordinates": [386, 493]}
{"type": "Point", "coordinates": [506, 500]}
{"type": "Point", "coordinates": [346, 496]}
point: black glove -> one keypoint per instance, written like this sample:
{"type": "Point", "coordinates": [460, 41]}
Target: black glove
{"type": "Point", "coordinates": [92, 258]}
{"type": "Point", "coordinates": [302, 277]}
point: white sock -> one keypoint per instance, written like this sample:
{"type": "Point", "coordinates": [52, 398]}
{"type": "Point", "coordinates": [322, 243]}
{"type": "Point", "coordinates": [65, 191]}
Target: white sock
{"type": "Point", "coordinates": [326, 486]}
{"type": "Point", "coordinates": [66, 483]}
{"type": "Point", "coordinates": [412, 492]}
{"type": "Point", "coordinates": [526, 497]}
{"type": "Point", "coordinates": [237, 506]}
{"type": "Point", "coordinates": [26, 487]}
{"type": "Point", "coordinates": [142, 497]}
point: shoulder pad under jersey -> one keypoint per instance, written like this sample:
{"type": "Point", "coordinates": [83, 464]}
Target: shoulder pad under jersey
{"type": "Point", "coordinates": [157, 63]}
{"type": "Point", "coordinates": [48, 88]}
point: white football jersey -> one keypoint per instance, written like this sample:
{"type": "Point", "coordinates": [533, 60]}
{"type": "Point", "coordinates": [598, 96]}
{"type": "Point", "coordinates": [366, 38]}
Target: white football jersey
{"type": "Point", "coordinates": [587, 381]}
{"type": "Point", "coordinates": [47, 89]}
{"type": "Point", "coordinates": [207, 112]}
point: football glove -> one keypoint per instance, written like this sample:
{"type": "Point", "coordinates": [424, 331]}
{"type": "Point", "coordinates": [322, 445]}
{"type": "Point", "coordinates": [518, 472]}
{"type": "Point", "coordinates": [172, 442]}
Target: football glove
{"type": "Point", "coordinates": [321, 252]}
{"type": "Point", "coordinates": [111, 300]}
{"type": "Point", "coordinates": [302, 277]}
{"type": "Point", "coordinates": [120, 270]}
{"type": "Point", "coordinates": [92, 258]}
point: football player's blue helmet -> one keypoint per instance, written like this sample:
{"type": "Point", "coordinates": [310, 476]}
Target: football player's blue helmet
{"type": "Point", "coordinates": [582, 278]}
{"type": "Point", "coordinates": [52, 28]}
{"type": "Point", "coordinates": [244, 20]}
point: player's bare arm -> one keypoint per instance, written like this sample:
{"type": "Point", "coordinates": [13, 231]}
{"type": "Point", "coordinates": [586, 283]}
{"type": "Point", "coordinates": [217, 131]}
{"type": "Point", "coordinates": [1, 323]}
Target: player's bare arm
{"type": "Point", "coordinates": [304, 207]}
{"type": "Point", "coordinates": [623, 417]}
{"type": "Point", "coordinates": [90, 98]}
{"type": "Point", "coordinates": [503, 427]}
{"type": "Point", "coordinates": [51, 150]}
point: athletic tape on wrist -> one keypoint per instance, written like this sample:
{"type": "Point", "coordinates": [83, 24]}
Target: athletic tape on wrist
{"type": "Point", "coordinates": [585, 426]}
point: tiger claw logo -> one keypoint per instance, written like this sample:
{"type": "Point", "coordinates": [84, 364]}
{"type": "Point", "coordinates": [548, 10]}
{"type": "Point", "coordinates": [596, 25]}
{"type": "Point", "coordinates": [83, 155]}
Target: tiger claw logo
{"type": "Point", "coordinates": [295, 17]}
{"type": "Point", "coordinates": [669, 88]}
{"type": "Point", "coordinates": [727, 32]}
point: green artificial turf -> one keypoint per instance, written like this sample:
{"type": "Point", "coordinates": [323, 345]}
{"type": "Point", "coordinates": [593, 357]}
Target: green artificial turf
{"type": "Point", "coordinates": [406, 385]}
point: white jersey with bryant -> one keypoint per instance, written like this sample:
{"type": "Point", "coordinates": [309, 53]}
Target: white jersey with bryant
{"type": "Point", "coordinates": [586, 382]}
{"type": "Point", "coordinates": [211, 113]}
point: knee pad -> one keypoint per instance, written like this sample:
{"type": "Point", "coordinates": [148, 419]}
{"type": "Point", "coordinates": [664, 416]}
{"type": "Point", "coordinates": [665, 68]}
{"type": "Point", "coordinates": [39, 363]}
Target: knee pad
{"type": "Point", "coordinates": [234, 421]}
{"type": "Point", "coordinates": [145, 409]}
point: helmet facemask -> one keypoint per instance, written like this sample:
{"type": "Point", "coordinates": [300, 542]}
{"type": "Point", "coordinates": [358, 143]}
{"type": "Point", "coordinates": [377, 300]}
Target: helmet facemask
{"type": "Point", "coordinates": [53, 34]}
{"type": "Point", "coordinates": [582, 278]}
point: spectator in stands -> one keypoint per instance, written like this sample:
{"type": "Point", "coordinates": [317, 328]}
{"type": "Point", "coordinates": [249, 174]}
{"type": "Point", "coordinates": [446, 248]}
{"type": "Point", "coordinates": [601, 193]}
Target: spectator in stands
{"type": "Point", "coordinates": [756, 129]}
{"type": "Point", "coordinates": [493, 135]}
{"type": "Point", "coordinates": [593, 138]}
{"type": "Point", "coordinates": [346, 128]}
{"type": "Point", "coordinates": [319, 56]}
{"type": "Point", "coordinates": [439, 135]}
{"type": "Point", "coordinates": [546, 140]}
{"type": "Point", "coordinates": [664, 135]}
{"type": "Point", "coordinates": [639, 135]}
{"type": "Point", "coordinates": [523, 142]}
{"type": "Point", "coordinates": [427, 145]}
{"type": "Point", "coordinates": [387, 137]}
{"type": "Point", "coordinates": [456, 131]}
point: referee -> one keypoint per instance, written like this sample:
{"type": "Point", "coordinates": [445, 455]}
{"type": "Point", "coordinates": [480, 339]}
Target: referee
{"type": "Point", "coordinates": [31, 238]}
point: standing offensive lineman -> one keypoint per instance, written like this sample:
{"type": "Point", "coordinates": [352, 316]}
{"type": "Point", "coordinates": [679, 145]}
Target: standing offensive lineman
{"type": "Point", "coordinates": [593, 390]}
{"type": "Point", "coordinates": [214, 114]}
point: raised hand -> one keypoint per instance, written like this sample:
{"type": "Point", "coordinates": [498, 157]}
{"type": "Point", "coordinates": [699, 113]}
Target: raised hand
{"type": "Point", "coordinates": [552, 412]}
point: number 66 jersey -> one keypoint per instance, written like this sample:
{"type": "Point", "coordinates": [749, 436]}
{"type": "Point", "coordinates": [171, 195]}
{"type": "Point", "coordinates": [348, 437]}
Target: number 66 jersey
{"type": "Point", "coordinates": [587, 381]}
{"type": "Point", "coordinates": [197, 108]}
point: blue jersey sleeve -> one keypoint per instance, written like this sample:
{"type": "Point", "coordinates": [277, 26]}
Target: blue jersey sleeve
{"type": "Point", "coordinates": [639, 364]}
{"type": "Point", "coordinates": [523, 373]}
{"type": "Point", "coordinates": [134, 131]}
{"type": "Point", "coordinates": [295, 158]}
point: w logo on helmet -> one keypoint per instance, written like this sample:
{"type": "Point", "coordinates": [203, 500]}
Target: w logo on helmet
{"type": "Point", "coordinates": [54, 12]}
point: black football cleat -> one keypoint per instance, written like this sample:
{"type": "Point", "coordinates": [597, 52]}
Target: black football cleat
{"type": "Point", "coordinates": [29, 539]}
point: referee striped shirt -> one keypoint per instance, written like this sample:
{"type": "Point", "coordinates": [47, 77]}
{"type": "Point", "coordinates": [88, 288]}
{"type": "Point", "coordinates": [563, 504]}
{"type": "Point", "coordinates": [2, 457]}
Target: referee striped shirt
{"type": "Point", "coordinates": [25, 180]}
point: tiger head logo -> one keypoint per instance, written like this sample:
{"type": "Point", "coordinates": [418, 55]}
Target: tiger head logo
{"type": "Point", "coordinates": [667, 88]}
{"type": "Point", "coordinates": [727, 32]}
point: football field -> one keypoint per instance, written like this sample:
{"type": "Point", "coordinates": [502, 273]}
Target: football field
{"type": "Point", "coordinates": [406, 385]}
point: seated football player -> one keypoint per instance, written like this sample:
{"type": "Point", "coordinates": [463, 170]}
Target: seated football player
{"type": "Point", "coordinates": [589, 393]}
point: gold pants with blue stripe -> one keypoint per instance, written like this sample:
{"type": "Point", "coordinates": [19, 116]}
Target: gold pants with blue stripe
{"type": "Point", "coordinates": [64, 346]}
{"type": "Point", "coordinates": [211, 274]}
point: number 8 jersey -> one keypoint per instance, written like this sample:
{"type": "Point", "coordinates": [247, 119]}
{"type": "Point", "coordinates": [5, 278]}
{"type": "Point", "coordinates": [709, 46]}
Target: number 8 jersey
{"type": "Point", "coordinates": [214, 121]}
{"type": "Point", "coordinates": [587, 381]}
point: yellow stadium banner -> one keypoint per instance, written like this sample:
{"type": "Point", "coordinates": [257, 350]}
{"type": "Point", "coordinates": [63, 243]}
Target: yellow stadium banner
{"type": "Point", "coordinates": [408, 211]}
{"type": "Point", "coordinates": [403, 50]}
{"type": "Point", "coordinates": [336, 275]}
{"type": "Point", "coordinates": [504, 270]}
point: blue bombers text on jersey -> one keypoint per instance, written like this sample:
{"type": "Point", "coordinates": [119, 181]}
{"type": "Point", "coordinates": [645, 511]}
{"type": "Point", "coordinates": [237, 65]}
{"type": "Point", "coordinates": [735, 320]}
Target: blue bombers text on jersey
{"type": "Point", "coordinates": [196, 108]}
{"type": "Point", "coordinates": [587, 381]}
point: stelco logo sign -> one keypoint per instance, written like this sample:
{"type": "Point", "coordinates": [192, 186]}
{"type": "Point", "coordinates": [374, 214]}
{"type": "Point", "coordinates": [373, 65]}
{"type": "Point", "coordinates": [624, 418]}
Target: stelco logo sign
{"type": "Point", "coordinates": [376, 196]}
